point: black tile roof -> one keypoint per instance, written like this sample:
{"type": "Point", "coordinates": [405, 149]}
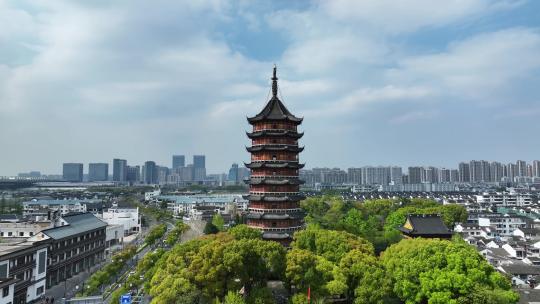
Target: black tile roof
{"type": "Point", "coordinates": [275, 109]}
{"type": "Point", "coordinates": [426, 224]}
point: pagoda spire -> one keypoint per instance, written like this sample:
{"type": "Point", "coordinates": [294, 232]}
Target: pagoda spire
{"type": "Point", "coordinates": [274, 83]}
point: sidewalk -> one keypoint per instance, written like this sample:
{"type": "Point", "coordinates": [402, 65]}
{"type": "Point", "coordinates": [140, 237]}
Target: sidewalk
{"type": "Point", "coordinates": [58, 291]}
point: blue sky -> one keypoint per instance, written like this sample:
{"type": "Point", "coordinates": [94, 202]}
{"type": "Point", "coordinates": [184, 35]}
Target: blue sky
{"type": "Point", "coordinates": [378, 82]}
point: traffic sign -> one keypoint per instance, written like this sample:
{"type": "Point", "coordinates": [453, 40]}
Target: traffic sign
{"type": "Point", "coordinates": [125, 299]}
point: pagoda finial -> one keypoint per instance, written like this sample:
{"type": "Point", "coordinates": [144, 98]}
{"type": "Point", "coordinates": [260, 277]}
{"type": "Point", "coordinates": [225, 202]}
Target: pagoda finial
{"type": "Point", "coordinates": [274, 83]}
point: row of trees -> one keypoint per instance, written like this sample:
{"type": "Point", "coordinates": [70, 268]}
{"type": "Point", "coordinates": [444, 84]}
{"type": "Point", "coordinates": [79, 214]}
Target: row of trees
{"type": "Point", "coordinates": [176, 233]}
{"type": "Point", "coordinates": [108, 273]}
{"type": "Point", "coordinates": [155, 233]}
{"type": "Point", "coordinates": [375, 220]}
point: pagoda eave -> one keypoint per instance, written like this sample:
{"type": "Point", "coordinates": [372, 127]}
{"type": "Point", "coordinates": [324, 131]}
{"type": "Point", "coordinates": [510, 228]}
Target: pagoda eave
{"type": "Point", "coordinates": [274, 181]}
{"type": "Point", "coordinates": [271, 165]}
{"type": "Point", "coordinates": [284, 133]}
{"type": "Point", "coordinates": [289, 148]}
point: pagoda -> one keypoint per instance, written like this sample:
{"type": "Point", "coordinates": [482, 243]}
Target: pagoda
{"type": "Point", "coordinates": [274, 184]}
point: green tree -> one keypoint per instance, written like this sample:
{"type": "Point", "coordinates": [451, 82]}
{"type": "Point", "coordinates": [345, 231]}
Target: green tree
{"type": "Point", "coordinates": [244, 232]}
{"type": "Point", "coordinates": [233, 298]}
{"type": "Point", "coordinates": [210, 228]}
{"type": "Point", "coordinates": [441, 271]}
{"type": "Point", "coordinates": [217, 220]}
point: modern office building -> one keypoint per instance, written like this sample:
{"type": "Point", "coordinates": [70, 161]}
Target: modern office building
{"type": "Point", "coordinates": [98, 172]}
{"type": "Point", "coordinates": [119, 170]}
{"type": "Point", "coordinates": [150, 173]}
{"type": "Point", "coordinates": [199, 168]}
{"type": "Point", "coordinates": [274, 184]}
{"type": "Point", "coordinates": [133, 174]}
{"type": "Point", "coordinates": [162, 173]}
{"type": "Point", "coordinates": [199, 161]}
{"type": "Point", "coordinates": [178, 161]}
{"type": "Point", "coordinates": [72, 172]}
{"type": "Point", "coordinates": [75, 244]}
{"type": "Point", "coordinates": [234, 174]}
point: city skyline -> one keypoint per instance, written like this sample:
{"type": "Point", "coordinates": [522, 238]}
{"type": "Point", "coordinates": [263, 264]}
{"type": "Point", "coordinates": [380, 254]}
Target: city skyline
{"type": "Point", "coordinates": [382, 83]}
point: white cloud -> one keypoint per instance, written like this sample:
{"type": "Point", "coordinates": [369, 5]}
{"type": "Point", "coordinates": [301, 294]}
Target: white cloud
{"type": "Point", "coordinates": [409, 15]}
{"type": "Point", "coordinates": [481, 65]}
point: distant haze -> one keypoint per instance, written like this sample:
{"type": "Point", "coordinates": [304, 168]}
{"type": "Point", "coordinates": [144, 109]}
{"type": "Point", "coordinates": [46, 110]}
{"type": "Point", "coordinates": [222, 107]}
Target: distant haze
{"type": "Point", "coordinates": [378, 82]}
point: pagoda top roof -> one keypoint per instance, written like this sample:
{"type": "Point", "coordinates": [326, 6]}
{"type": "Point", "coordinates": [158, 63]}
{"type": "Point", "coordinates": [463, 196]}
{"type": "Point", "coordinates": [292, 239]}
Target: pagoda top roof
{"type": "Point", "coordinates": [275, 109]}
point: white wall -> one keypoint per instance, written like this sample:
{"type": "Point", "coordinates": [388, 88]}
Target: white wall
{"type": "Point", "coordinates": [9, 298]}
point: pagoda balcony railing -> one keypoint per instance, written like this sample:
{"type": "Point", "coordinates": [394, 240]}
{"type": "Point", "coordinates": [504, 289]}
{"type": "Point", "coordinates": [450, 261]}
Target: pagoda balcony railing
{"type": "Point", "coordinates": [274, 193]}
{"type": "Point", "coordinates": [274, 161]}
{"type": "Point", "coordinates": [262, 210]}
{"type": "Point", "coordinates": [274, 176]}
{"type": "Point", "coordinates": [274, 144]}
{"type": "Point", "coordinates": [275, 130]}
{"type": "Point", "coordinates": [277, 229]}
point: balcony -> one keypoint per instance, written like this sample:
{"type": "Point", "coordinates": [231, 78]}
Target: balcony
{"type": "Point", "coordinates": [22, 267]}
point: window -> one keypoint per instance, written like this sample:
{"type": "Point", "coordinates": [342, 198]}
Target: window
{"type": "Point", "coordinates": [31, 233]}
{"type": "Point", "coordinates": [274, 224]}
{"type": "Point", "coordinates": [39, 290]}
{"type": "Point", "coordinates": [5, 292]}
{"type": "Point", "coordinates": [273, 158]}
{"type": "Point", "coordinates": [21, 233]}
{"type": "Point", "coordinates": [41, 262]}
{"type": "Point", "coordinates": [10, 233]}
{"type": "Point", "coordinates": [3, 270]}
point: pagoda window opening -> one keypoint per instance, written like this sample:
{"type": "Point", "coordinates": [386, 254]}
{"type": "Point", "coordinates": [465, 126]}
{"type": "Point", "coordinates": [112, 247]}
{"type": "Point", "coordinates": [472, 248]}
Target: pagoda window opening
{"type": "Point", "coordinates": [274, 224]}
{"type": "Point", "coordinates": [273, 172]}
{"type": "Point", "coordinates": [275, 158]}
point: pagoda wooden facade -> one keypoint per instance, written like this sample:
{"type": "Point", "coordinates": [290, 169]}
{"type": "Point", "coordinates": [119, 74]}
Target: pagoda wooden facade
{"type": "Point", "coordinates": [274, 184]}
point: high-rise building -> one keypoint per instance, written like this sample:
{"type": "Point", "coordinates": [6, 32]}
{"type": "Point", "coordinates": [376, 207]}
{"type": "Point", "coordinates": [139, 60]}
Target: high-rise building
{"type": "Point", "coordinates": [199, 168]}
{"type": "Point", "coordinates": [150, 173]}
{"type": "Point", "coordinates": [162, 173]}
{"type": "Point", "coordinates": [234, 174]}
{"type": "Point", "coordinates": [354, 176]}
{"type": "Point", "coordinates": [199, 161]}
{"type": "Point", "coordinates": [186, 173]}
{"type": "Point", "coordinates": [464, 172]}
{"type": "Point", "coordinates": [536, 168]}
{"type": "Point", "coordinates": [430, 175]}
{"type": "Point", "coordinates": [529, 170]}
{"type": "Point", "coordinates": [479, 170]}
{"type": "Point", "coordinates": [98, 172]}
{"type": "Point", "coordinates": [511, 172]}
{"type": "Point", "coordinates": [72, 172]}
{"type": "Point", "coordinates": [178, 161]}
{"type": "Point", "coordinates": [496, 172]}
{"type": "Point", "coordinates": [444, 175]}
{"type": "Point", "coordinates": [396, 175]}
{"type": "Point", "coordinates": [521, 167]}
{"type": "Point", "coordinates": [119, 170]}
{"type": "Point", "coordinates": [274, 186]}
{"type": "Point", "coordinates": [133, 174]}
{"type": "Point", "coordinates": [454, 176]}
{"type": "Point", "coordinates": [415, 175]}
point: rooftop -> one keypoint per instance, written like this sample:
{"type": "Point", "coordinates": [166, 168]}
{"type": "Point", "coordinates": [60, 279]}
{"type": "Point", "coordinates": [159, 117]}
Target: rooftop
{"type": "Point", "coordinates": [76, 224]}
{"type": "Point", "coordinates": [425, 224]}
{"type": "Point", "coordinates": [275, 109]}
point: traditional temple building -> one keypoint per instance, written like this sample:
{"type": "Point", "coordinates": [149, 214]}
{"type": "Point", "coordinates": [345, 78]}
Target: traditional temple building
{"type": "Point", "coordinates": [274, 184]}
